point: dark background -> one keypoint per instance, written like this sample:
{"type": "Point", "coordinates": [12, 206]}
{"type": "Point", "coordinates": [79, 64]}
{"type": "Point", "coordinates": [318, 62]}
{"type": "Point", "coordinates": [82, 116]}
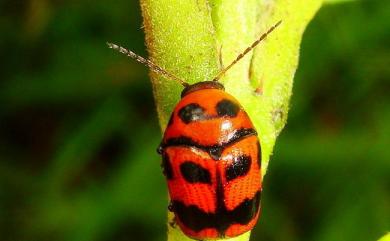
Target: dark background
{"type": "Point", "coordinates": [78, 128]}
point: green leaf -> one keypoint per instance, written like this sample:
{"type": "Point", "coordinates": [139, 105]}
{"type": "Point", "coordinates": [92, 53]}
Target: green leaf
{"type": "Point", "coordinates": [337, 1]}
{"type": "Point", "coordinates": [192, 39]}
{"type": "Point", "coordinates": [385, 238]}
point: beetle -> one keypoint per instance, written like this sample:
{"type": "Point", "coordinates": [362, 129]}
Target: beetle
{"type": "Point", "coordinates": [211, 157]}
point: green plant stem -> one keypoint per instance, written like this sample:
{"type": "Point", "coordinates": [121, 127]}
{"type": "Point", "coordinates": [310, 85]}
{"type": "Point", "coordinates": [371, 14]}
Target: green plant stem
{"type": "Point", "coordinates": [193, 39]}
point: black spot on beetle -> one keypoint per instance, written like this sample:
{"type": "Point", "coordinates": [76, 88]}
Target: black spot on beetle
{"type": "Point", "coordinates": [167, 167]}
{"type": "Point", "coordinates": [227, 108]}
{"type": "Point", "coordinates": [194, 173]}
{"type": "Point", "coordinates": [247, 210]}
{"type": "Point", "coordinates": [191, 112]}
{"type": "Point", "coordinates": [239, 167]}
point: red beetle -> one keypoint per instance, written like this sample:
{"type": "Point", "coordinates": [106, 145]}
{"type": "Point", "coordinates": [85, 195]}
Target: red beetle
{"type": "Point", "coordinates": [211, 158]}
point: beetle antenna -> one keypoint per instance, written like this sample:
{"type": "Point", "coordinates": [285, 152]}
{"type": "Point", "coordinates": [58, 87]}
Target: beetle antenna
{"type": "Point", "coordinates": [240, 56]}
{"type": "Point", "coordinates": [154, 67]}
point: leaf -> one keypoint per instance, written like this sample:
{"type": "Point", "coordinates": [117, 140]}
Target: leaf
{"type": "Point", "coordinates": [386, 237]}
{"type": "Point", "coordinates": [337, 1]}
{"type": "Point", "coordinates": [188, 38]}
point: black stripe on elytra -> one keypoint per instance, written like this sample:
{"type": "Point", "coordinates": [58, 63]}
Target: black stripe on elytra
{"type": "Point", "coordinates": [239, 167]}
{"type": "Point", "coordinates": [194, 173]}
{"type": "Point", "coordinates": [215, 151]}
{"type": "Point", "coordinates": [196, 219]}
{"type": "Point", "coordinates": [226, 107]}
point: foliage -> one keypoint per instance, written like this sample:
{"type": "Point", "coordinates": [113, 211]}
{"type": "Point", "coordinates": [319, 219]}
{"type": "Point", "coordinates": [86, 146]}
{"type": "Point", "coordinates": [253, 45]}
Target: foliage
{"type": "Point", "coordinates": [223, 29]}
{"type": "Point", "coordinates": [385, 237]}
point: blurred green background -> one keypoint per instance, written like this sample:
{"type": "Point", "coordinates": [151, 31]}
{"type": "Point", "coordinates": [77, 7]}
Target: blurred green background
{"type": "Point", "coordinates": [78, 128]}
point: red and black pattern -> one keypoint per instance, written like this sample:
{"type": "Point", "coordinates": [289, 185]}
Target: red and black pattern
{"type": "Point", "coordinates": [212, 162]}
